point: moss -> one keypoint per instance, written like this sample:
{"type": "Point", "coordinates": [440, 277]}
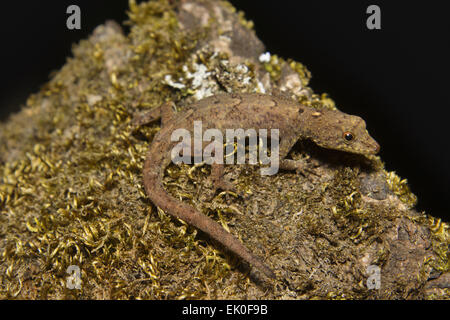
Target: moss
{"type": "Point", "coordinates": [441, 244]}
{"type": "Point", "coordinates": [400, 188]}
{"type": "Point", "coordinates": [275, 65]}
{"type": "Point", "coordinates": [71, 188]}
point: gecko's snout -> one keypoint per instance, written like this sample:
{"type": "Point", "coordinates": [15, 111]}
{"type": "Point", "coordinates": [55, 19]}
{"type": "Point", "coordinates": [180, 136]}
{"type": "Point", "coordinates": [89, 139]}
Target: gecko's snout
{"type": "Point", "coordinates": [372, 147]}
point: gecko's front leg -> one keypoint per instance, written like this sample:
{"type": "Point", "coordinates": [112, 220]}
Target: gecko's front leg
{"type": "Point", "coordinates": [286, 144]}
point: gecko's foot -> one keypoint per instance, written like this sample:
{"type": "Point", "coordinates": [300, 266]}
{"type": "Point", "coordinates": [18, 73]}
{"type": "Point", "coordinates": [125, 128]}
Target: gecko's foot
{"type": "Point", "coordinates": [297, 166]}
{"type": "Point", "coordinates": [223, 185]}
{"type": "Point", "coordinates": [141, 119]}
{"type": "Point", "coordinates": [219, 182]}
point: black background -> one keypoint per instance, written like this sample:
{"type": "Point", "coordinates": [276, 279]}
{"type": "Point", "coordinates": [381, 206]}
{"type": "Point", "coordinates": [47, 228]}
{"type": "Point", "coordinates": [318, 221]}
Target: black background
{"type": "Point", "coordinates": [396, 78]}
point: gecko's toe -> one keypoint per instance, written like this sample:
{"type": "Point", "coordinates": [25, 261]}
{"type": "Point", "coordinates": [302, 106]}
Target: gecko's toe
{"type": "Point", "coordinates": [224, 185]}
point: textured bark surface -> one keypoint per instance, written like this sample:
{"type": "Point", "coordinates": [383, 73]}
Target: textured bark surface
{"type": "Point", "coordinates": [71, 189]}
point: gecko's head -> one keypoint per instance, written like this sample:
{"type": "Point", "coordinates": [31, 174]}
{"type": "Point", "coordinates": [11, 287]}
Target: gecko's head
{"type": "Point", "coordinates": [340, 131]}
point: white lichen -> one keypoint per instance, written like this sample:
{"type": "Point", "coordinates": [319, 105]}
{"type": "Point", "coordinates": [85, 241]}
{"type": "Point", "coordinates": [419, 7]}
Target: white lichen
{"type": "Point", "coordinates": [201, 80]}
{"type": "Point", "coordinates": [260, 87]}
{"type": "Point", "coordinates": [200, 74]}
{"type": "Point", "coordinates": [168, 80]}
{"type": "Point", "coordinates": [265, 57]}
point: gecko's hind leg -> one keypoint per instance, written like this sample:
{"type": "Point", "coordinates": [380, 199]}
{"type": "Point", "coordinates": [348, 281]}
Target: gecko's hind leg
{"type": "Point", "coordinates": [165, 112]}
{"type": "Point", "coordinates": [218, 180]}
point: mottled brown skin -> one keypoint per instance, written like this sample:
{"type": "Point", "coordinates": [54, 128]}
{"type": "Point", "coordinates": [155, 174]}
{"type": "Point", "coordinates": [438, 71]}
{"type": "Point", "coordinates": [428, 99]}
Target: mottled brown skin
{"type": "Point", "coordinates": [328, 129]}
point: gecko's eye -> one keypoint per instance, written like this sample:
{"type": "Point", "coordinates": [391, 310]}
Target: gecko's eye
{"type": "Point", "coordinates": [348, 136]}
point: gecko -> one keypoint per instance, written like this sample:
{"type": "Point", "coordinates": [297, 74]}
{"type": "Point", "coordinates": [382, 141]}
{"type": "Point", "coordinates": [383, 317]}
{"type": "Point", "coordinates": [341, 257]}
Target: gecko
{"type": "Point", "coordinates": [330, 129]}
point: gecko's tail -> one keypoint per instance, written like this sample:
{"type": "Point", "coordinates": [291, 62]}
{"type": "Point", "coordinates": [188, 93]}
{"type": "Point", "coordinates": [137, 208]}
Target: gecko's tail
{"type": "Point", "coordinates": [180, 210]}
